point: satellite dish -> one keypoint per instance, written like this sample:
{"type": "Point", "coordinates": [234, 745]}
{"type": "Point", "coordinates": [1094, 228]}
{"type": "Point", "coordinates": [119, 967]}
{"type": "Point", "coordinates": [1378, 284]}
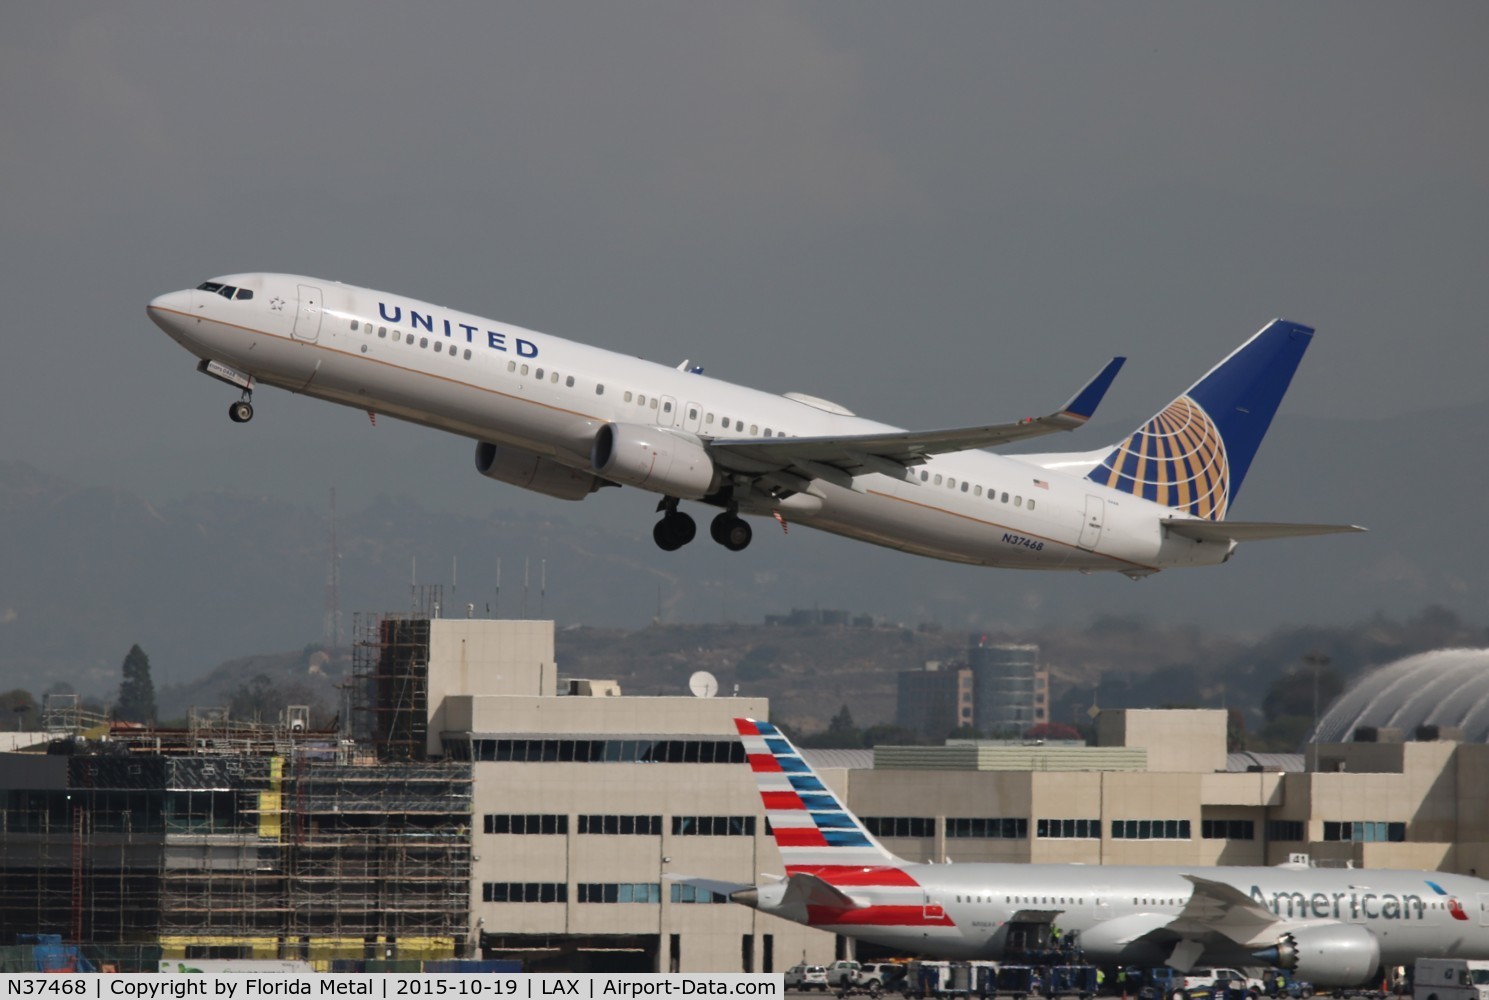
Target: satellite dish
{"type": "Point", "coordinates": [703, 684]}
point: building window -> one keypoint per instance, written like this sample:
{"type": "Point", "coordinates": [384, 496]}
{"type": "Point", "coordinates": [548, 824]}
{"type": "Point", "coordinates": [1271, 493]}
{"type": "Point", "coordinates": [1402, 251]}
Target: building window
{"type": "Point", "coordinates": [620, 892]}
{"type": "Point", "coordinates": [618, 751]}
{"type": "Point", "coordinates": [693, 894]}
{"type": "Point", "coordinates": [1069, 829]}
{"type": "Point", "coordinates": [1150, 829]}
{"type": "Point", "coordinates": [1227, 829]}
{"type": "Point", "coordinates": [524, 892]}
{"type": "Point", "coordinates": [1285, 829]}
{"type": "Point", "coordinates": [527, 823]}
{"type": "Point", "coordinates": [1010, 828]}
{"type": "Point", "coordinates": [1365, 831]}
{"type": "Point", "coordinates": [713, 826]}
{"type": "Point", "coordinates": [900, 826]}
{"type": "Point", "coordinates": [622, 826]}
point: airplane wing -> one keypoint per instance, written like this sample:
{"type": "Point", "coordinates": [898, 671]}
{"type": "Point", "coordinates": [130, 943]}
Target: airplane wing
{"type": "Point", "coordinates": [839, 459]}
{"type": "Point", "coordinates": [1202, 530]}
{"type": "Point", "coordinates": [1221, 908]}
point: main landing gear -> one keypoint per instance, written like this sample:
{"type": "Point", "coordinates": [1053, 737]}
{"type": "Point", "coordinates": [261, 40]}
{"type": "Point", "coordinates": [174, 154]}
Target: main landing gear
{"type": "Point", "coordinates": [677, 529]}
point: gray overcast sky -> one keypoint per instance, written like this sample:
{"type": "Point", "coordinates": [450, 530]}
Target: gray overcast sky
{"type": "Point", "coordinates": [936, 214]}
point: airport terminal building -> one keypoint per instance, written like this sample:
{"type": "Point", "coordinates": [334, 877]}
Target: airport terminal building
{"type": "Point", "coordinates": [488, 813]}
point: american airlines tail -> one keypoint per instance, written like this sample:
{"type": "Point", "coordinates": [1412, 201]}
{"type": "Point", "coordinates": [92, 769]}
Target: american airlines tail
{"type": "Point", "coordinates": [1194, 454]}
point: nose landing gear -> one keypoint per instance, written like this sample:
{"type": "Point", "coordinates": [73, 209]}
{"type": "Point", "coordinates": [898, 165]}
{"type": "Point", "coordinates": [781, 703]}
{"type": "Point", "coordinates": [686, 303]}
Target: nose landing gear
{"type": "Point", "coordinates": [242, 411]}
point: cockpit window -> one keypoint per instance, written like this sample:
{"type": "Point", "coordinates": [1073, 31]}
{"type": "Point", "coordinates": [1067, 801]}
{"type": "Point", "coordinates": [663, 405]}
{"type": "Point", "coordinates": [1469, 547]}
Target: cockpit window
{"type": "Point", "coordinates": [226, 291]}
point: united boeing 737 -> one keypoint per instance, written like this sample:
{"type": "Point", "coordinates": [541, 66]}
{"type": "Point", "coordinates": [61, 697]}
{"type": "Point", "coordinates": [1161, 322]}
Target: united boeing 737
{"type": "Point", "coordinates": [1332, 926]}
{"type": "Point", "coordinates": [565, 419]}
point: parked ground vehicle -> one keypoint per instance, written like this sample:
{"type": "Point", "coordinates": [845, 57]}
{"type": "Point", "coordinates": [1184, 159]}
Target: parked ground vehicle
{"type": "Point", "coordinates": [840, 974]}
{"type": "Point", "coordinates": [1208, 976]}
{"type": "Point", "coordinates": [878, 975]}
{"type": "Point", "coordinates": [1450, 979]}
{"type": "Point", "coordinates": [806, 977]}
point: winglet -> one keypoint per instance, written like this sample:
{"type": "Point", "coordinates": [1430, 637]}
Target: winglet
{"type": "Point", "coordinates": [1083, 404]}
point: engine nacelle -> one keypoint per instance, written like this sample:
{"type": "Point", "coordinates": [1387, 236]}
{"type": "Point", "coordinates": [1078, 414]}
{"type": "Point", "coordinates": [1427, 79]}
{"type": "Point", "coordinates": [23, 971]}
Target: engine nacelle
{"type": "Point", "coordinates": [653, 459]}
{"type": "Point", "coordinates": [1326, 954]}
{"type": "Point", "coordinates": [533, 472]}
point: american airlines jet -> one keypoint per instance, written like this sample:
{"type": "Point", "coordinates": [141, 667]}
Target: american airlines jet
{"type": "Point", "coordinates": [565, 419]}
{"type": "Point", "coordinates": [1332, 926]}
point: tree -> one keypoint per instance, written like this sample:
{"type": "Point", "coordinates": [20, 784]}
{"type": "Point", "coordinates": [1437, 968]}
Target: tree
{"type": "Point", "coordinates": [136, 692]}
{"type": "Point", "coordinates": [841, 733]}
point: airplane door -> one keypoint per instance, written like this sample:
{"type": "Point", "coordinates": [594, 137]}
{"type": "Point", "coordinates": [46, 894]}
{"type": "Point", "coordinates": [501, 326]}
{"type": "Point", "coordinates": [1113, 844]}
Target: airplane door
{"type": "Point", "coordinates": [308, 316]}
{"type": "Point", "coordinates": [1091, 528]}
{"type": "Point", "coordinates": [692, 416]}
{"type": "Point", "coordinates": [667, 412]}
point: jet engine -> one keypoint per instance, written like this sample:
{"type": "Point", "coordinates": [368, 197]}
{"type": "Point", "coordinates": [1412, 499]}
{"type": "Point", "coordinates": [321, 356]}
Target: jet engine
{"type": "Point", "coordinates": [654, 459]}
{"type": "Point", "coordinates": [533, 472]}
{"type": "Point", "coordinates": [1326, 954]}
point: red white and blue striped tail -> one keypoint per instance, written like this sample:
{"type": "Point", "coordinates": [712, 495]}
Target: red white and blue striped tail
{"type": "Point", "coordinates": [815, 832]}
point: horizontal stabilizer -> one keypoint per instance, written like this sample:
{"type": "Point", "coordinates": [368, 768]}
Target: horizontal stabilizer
{"type": "Point", "coordinates": [1249, 531]}
{"type": "Point", "coordinates": [809, 890]}
{"type": "Point", "coordinates": [714, 885]}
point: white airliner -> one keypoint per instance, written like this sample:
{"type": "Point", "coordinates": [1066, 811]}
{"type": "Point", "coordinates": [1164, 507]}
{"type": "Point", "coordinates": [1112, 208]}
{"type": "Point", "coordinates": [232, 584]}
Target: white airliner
{"type": "Point", "coordinates": [565, 419]}
{"type": "Point", "coordinates": [1332, 926]}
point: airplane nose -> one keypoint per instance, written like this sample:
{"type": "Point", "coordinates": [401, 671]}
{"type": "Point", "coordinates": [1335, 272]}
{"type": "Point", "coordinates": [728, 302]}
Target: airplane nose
{"type": "Point", "coordinates": [178, 302]}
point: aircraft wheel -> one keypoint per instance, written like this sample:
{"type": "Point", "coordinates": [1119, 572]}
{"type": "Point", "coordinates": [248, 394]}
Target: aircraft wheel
{"type": "Point", "coordinates": [240, 412]}
{"type": "Point", "coordinates": [731, 531]}
{"type": "Point", "coordinates": [674, 531]}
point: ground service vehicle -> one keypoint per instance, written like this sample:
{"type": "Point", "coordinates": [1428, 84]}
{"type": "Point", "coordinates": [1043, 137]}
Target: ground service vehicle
{"type": "Point", "coordinates": [1451, 979]}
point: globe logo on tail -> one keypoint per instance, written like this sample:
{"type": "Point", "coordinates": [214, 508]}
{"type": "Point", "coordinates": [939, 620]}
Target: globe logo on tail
{"type": "Point", "coordinates": [1176, 459]}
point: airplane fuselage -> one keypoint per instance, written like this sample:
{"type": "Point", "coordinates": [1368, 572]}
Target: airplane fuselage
{"type": "Point", "coordinates": [550, 398]}
{"type": "Point", "coordinates": [974, 911]}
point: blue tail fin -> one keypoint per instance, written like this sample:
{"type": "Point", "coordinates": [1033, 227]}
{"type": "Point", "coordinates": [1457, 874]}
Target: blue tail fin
{"type": "Point", "coordinates": [1194, 454]}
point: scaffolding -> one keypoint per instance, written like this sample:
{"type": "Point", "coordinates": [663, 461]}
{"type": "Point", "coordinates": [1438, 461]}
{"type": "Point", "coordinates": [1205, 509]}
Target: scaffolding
{"type": "Point", "coordinates": [223, 839]}
{"type": "Point", "coordinates": [390, 684]}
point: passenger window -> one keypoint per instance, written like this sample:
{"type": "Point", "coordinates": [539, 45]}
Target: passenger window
{"type": "Point", "coordinates": [710, 419]}
{"type": "Point", "coordinates": [423, 341]}
{"type": "Point", "coordinates": [382, 331]}
{"type": "Point", "coordinates": [950, 482]}
{"type": "Point", "coordinates": [569, 381]}
{"type": "Point", "coordinates": [667, 407]}
{"type": "Point", "coordinates": [692, 414]}
{"type": "Point", "coordinates": [938, 479]}
{"type": "Point", "coordinates": [1005, 498]}
{"type": "Point", "coordinates": [629, 395]}
{"type": "Point", "coordinates": [554, 379]}
{"type": "Point", "coordinates": [354, 325]}
{"type": "Point", "coordinates": [511, 366]}
{"type": "Point", "coordinates": [599, 390]}
{"type": "Point", "coordinates": [653, 402]}
{"type": "Point", "coordinates": [467, 354]}
{"type": "Point", "coordinates": [739, 425]}
{"type": "Point", "coordinates": [438, 347]}
{"type": "Point", "coordinates": [754, 430]}
{"type": "Point", "coordinates": [964, 486]}
{"type": "Point", "coordinates": [640, 399]}
{"type": "Point", "coordinates": [396, 336]}
{"type": "Point", "coordinates": [523, 370]}
{"type": "Point", "coordinates": [977, 491]}
{"type": "Point", "coordinates": [1018, 501]}
{"type": "Point", "coordinates": [768, 433]}
{"type": "Point", "coordinates": [538, 374]}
